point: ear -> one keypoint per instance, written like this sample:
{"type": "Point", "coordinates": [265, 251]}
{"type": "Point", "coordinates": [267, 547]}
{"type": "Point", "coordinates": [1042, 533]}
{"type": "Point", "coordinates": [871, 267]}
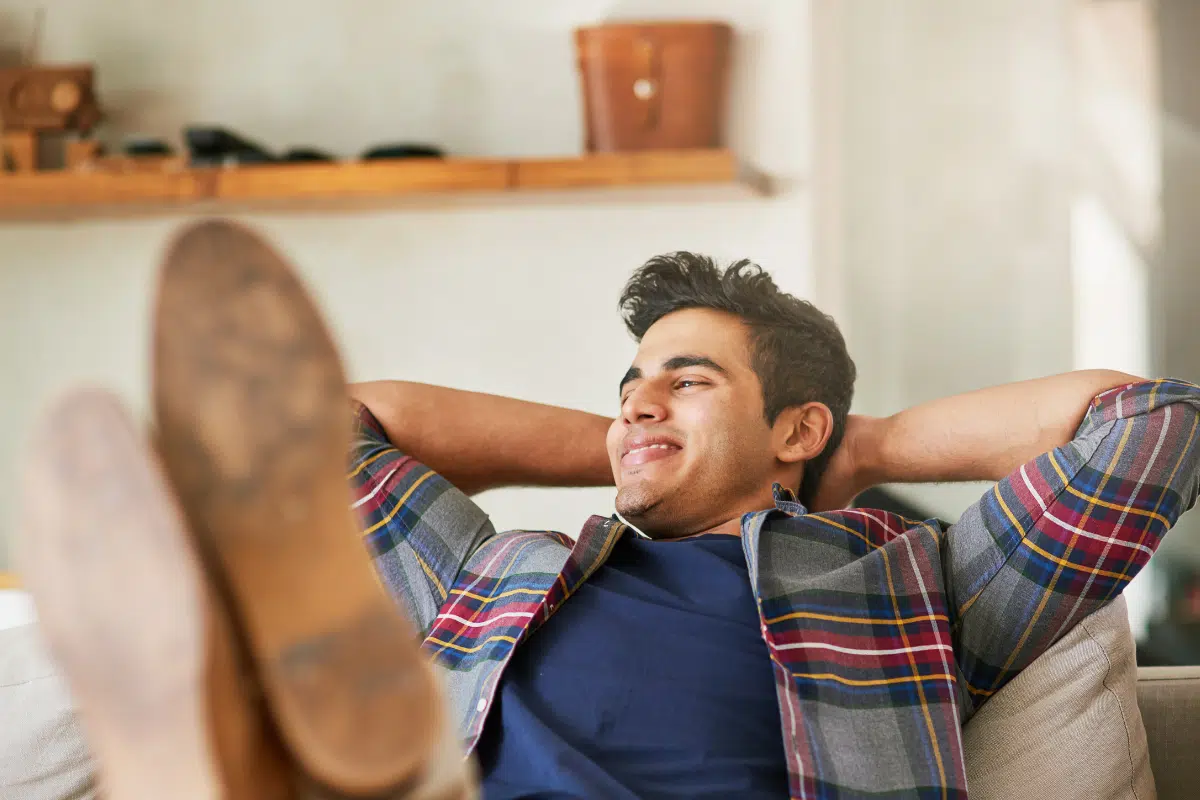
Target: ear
{"type": "Point", "coordinates": [801, 432]}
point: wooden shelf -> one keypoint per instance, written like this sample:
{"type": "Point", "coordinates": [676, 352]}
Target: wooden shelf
{"type": "Point", "coordinates": [95, 194]}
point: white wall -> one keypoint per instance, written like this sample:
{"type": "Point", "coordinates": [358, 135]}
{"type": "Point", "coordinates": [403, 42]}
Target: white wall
{"type": "Point", "coordinates": [1175, 287]}
{"type": "Point", "coordinates": [995, 200]}
{"type": "Point", "coordinates": [515, 300]}
{"type": "Point", "coordinates": [951, 129]}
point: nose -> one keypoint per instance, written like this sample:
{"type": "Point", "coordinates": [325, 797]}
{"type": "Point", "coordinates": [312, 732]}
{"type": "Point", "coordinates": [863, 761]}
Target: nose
{"type": "Point", "coordinates": [644, 404]}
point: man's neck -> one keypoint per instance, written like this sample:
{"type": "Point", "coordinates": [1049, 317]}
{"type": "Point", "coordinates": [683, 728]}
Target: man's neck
{"type": "Point", "coordinates": [728, 523]}
{"type": "Point", "coordinates": [730, 527]}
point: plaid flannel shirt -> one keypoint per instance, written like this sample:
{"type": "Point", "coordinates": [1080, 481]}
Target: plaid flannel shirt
{"type": "Point", "coordinates": [886, 634]}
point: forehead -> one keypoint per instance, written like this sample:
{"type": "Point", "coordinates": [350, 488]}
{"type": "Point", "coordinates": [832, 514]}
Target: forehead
{"type": "Point", "coordinates": [718, 335]}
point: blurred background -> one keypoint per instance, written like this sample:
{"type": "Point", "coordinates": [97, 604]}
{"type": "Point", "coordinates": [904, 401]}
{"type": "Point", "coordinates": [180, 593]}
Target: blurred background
{"type": "Point", "coordinates": [979, 192]}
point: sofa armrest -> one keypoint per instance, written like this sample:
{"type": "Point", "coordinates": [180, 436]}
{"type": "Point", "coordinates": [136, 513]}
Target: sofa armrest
{"type": "Point", "coordinates": [1169, 699]}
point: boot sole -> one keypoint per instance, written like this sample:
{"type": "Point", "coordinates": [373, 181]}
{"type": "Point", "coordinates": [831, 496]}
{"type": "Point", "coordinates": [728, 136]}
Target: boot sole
{"type": "Point", "coordinates": [123, 604]}
{"type": "Point", "coordinates": [254, 427]}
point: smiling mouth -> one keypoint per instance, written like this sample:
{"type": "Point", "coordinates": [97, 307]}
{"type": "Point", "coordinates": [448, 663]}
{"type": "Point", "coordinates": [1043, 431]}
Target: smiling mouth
{"type": "Point", "coordinates": [647, 454]}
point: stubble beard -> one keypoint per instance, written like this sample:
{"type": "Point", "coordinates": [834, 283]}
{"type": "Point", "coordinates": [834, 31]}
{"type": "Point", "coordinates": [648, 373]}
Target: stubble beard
{"type": "Point", "coordinates": [636, 499]}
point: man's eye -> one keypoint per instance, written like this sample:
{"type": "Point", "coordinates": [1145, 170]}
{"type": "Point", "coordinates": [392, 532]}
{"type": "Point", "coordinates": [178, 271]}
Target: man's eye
{"type": "Point", "coordinates": [688, 382]}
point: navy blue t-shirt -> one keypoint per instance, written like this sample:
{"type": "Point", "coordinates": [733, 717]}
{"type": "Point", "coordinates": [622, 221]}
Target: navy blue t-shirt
{"type": "Point", "coordinates": [652, 680]}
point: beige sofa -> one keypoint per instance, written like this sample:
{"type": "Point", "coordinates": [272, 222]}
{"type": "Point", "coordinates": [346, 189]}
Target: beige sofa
{"type": "Point", "coordinates": [1169, 699]}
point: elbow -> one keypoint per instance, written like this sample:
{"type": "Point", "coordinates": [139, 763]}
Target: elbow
{"type": "Point", "coordinates": [1105, 380]}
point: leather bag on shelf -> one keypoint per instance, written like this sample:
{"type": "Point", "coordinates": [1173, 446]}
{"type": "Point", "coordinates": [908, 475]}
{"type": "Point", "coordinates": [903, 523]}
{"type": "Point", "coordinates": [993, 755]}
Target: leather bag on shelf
{"type": "Point", "coordinates": [654, 86]}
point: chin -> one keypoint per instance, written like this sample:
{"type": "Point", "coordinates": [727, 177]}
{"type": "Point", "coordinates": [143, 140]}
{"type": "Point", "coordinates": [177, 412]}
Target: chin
{"type": "Point", "coordinates": [632, 508]}
{"type": "Point", "coordinates": [636, 500]}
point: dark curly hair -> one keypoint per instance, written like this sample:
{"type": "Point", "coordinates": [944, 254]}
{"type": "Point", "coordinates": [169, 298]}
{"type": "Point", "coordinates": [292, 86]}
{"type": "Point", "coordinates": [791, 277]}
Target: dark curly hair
{"type": "Point", "coordinates": [797, 351]}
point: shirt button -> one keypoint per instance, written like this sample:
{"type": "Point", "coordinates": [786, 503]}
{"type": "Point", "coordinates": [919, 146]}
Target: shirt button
{"type": "Point", "coordinates": [482, 705]}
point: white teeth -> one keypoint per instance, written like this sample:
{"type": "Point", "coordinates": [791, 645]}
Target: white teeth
{"type": "Point", "coordinates": [651, 447]}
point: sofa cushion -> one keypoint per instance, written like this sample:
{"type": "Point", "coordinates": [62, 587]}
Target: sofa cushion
{"type": "Point", "coordinates": [1169, 698]}
{"type": "Point", "coordinates": [42, 752]}
{"type": "Point", "coordinates": [1068, 725]}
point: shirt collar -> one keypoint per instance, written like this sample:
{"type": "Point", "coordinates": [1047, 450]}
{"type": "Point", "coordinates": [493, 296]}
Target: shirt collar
{"type": "Point", "coordinates": [630, 525]}
{"type": "Point", "coordinates": [786, 500]}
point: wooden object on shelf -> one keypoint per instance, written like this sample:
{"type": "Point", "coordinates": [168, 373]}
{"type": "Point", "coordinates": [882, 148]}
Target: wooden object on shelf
{"type": "Point", "coordinates": [20, 151]}
{"type": "Point", "coordinates": [80, 153]}
{"type": "Point", "coordinates": [41, 102]}
{"type": "Point", "coordinates": [48, 99]}
{"type": "Point", "coordinates": [104, 192]}
{"type": "Point", "coordinates": [653, 86]}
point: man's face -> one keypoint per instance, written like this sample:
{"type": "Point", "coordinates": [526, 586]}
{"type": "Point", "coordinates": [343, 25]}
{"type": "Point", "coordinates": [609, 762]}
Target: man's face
{"type": "Point", "coordinates": [691, 449]}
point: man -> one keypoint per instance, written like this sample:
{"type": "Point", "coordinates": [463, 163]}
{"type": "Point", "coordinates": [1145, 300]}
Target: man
{"type": "Point", "coordinates": [714, 638]}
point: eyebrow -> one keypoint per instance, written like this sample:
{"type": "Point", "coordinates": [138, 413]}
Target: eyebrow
{"type": "Point", "coordinates": [674, 363]}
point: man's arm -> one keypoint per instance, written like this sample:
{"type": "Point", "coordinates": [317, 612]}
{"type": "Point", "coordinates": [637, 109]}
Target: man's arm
{"type": "Point", "coordinates": [982, 435]}
{"type": "Point", "coordinates": [979, 435]}
{"type": "Point", "coordinates": [418, 449]}
{"type": "Point", "coordinates": [481, 441]}
{"type": "Point", "coordinates": [1066, 529]}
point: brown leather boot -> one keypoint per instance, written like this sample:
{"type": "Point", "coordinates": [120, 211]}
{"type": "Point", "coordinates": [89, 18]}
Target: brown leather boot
{"type": "Point", "coordinates": [127, 611]}
{"type": "Point", "coordinates": [254, 428]}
